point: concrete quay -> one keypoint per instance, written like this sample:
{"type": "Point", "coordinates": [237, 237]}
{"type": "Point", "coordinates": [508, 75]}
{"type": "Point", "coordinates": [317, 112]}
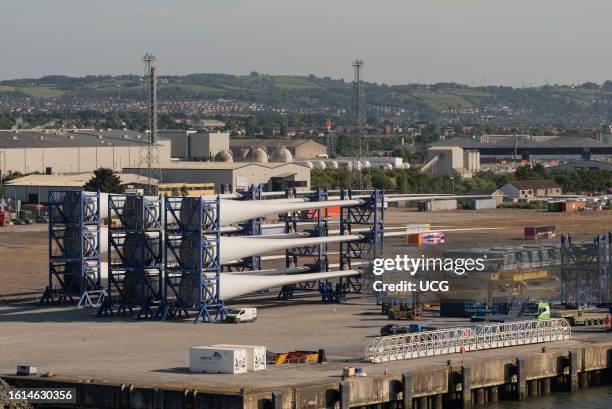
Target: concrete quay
{"type": "Point", "coordinates": [473, 383]}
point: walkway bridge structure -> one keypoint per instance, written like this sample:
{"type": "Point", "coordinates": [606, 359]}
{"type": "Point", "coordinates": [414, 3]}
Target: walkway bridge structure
{"type": "Point", "coordinates": [466, 339]}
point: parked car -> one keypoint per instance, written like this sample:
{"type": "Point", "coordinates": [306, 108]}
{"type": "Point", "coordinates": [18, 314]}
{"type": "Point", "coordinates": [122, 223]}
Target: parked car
{"type": "Point", "coordinates": [18, 221]}
{"type": "Point", "coordinates": [393, 329]}
{"type": "Point", "coordinates": [41, 219]}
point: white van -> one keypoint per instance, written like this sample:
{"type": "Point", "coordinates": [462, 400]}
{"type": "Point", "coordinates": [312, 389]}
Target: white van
{"type": "Point", "coordinates": [242, 315]}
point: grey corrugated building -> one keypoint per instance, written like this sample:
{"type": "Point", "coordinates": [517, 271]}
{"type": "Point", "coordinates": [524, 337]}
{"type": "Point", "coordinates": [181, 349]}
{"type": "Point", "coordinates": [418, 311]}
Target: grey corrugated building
{"type": "Point", "coordinates": [73, 150]}
{"type": "Point", "coordinates": [35, 188]}
{"type": "Point", "coordinates": [584, 165]}
{"type": "Point", "coordinates": [240, 175]}
{"type": "Point", "coordinates": [532, 147]}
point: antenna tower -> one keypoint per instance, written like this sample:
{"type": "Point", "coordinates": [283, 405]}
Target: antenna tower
{"type": "Point", "coordinates": [359, 118]}
{"type": "Point", "coordinates": [150, 153]}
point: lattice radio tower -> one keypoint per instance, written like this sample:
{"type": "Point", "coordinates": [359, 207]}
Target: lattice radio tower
{"type": "Point", "coordinates": [360, 142]}
{"type": "Point", "coordinates": [150, 152]}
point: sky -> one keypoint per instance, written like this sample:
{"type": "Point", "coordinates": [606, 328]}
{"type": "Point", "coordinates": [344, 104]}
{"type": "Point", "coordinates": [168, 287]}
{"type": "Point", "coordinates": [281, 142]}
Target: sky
{"type": "Point", "coordinates": [474, 42]}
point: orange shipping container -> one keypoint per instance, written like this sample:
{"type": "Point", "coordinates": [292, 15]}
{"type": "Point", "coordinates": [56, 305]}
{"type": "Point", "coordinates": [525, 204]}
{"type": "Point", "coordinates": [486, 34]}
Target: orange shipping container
{"type": "Point", "coordinates": [415, 238]}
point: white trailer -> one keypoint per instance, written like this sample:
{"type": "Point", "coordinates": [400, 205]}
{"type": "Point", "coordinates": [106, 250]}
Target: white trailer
{"type": "Point", "coordinates": [256, 356]}
{"type": "Point", "coordinates": [215, 359]}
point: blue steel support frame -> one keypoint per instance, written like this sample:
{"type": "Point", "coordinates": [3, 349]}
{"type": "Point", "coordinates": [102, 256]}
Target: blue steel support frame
{"type": "Point", "coordinates": [193, 278]}
{"type": "Point", "coordinates": [371, 213]}
{"type": "Point", "coordinates": [135, 272]}
{"type": "Point", "coordinates": [249, 228]}
{"type": "Point", "coordinates": [66, 269]}
{"type": "Point", "coordinates": [320, 217]}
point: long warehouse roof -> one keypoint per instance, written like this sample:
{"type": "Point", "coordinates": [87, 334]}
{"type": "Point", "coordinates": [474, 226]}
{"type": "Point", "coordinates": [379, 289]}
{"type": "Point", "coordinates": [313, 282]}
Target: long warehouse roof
{"type": "Point", "coordinates": [269, 142]}
{"type": "Point", "coordinates": [524, 142]}
{"type": "Point", "coordinates": [74, 180]}
{"type": "Point", "coordinates": [66, 138]}
{"type": "Point", "coordinates": [213, 165]}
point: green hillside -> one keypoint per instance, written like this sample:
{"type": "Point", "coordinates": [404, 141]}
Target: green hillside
{"type": "Point", "coordinates": [586, 102]}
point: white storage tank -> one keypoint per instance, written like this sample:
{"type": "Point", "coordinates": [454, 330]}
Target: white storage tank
{"type": "Point", "coordinates": [306, 163]}
{"type": "Point", "coordinates": [256, 356]}
{"type": "Point", "coordinates": [331, 164]}
{"type": "Point", "coordinates": [214, 359]}
{"type": "Point", "coordinates": [319, 165]}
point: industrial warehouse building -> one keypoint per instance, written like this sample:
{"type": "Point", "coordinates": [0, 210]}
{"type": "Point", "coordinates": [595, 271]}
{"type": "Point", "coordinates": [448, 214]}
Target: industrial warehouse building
{"type": "Point", "coordinates": [36, 188]}
{"type": "Point", "coordinates": [73, 150]}
{"type": "Point", "coordinates": [196, 145]}
{"type": "Point", "coordinates": [543, 147]}
{"type": "Point", "coordinates": [238, 175]}
{"type": "Point", "coordinates": [452, 160]}
{"type": "Point", "coordinates": [583, 165]}
{"type": "Point", "coordinates": [218, 146]}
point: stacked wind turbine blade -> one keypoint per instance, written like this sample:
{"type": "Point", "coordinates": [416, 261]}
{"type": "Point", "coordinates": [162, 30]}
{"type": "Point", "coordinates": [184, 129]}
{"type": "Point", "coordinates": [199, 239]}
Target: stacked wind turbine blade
{"type": "Point", "coordinates": [234, 285]}
{"type": "Point", "coordinates": [233, 248]}
{"type": "Point", "coordinates": [238, 211]}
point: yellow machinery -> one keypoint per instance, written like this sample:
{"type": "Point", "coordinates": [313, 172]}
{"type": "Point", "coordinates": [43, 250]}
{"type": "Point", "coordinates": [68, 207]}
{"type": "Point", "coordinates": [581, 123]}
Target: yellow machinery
{"type": "Point", "coordinates": [406, 311]}
{"type": "Point", "coordinates": [293, 357]}
{"type": "Point", "coordinates": [535, 284]}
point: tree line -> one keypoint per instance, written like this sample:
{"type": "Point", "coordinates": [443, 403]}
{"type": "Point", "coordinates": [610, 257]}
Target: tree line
{"type": "Point", "coordinates": [413, 181]}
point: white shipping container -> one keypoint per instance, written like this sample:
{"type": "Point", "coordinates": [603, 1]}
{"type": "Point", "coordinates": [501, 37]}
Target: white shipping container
{"type": "Point", "coordinates": [217, 360]}
{"type": "Point", "coordinates": [256, 356]}
{"type": "Point", "coordinates": [448, 204]}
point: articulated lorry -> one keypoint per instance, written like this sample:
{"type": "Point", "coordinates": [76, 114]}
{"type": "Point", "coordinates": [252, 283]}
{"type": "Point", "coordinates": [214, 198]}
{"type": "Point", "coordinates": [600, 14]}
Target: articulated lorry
{"type": "Point", "coordinates": [541, 310]}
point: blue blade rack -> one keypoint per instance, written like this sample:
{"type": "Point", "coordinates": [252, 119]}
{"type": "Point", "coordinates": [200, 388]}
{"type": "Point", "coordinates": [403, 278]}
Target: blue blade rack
{"type": "Point", "coordinates": [193, 264]}
{"type": "Point", "coordinates": [135, 277]}
{"type": "Point", "coordinates": [70, 271]}
{"type": "Point", "coordinates": [249, 228]}
{"type": "Point", "coordinates": [372, 214]}
{"type": "Point", "coordinates": [317, 252]}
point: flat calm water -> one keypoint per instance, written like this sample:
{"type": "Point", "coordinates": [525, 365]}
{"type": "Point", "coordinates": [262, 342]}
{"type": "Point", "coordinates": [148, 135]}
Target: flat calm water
{"type": "Point", "coordinates": [592, 398]}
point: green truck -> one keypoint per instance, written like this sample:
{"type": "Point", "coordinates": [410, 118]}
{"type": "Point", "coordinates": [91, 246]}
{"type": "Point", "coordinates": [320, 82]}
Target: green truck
{"type": "Point", "coordinates": [539, 310]}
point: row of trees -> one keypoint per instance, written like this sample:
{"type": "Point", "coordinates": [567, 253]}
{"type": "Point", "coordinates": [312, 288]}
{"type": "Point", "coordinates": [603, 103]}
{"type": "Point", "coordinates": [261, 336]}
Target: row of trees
{"type": "Point", "coordinates": [413, 181]}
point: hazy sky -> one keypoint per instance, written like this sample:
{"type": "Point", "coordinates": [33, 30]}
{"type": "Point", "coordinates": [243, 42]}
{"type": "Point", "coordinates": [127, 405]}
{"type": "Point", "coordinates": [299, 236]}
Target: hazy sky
{"type": "Point", "coordinates": [469, 41]}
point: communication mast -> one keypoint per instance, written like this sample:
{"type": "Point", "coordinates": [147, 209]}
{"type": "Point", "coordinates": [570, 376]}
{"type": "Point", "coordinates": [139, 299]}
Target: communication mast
{"type": "Point", "coordinates": [150, 156]}
{"type": "Point", "coordinates": [359, 118]}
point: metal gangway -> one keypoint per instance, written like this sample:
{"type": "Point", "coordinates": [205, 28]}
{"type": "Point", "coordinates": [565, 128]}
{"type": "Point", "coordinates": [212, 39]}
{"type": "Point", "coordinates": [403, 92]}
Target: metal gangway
{"type": "Point", "coordinates": [466, 339]}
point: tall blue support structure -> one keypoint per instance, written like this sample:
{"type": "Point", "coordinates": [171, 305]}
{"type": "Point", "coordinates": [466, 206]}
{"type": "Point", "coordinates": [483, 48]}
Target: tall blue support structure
{"type": "Point", "coordinates": [372, 214]}
{"type": "Point", "coordinates": [193, 264]}
{"type": "Point", "coordinates": [249, 228]}
{"type": "Point", "coordinates": [135, 255]}
{"type": "Point", "coordinates": [316, 253]}
{"type": "Point", "coordinates": [74, 250]}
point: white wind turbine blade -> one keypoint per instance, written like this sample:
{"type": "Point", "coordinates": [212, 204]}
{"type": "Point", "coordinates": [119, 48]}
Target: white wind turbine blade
{"type": "Point", "coordinates": [235, 285]}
